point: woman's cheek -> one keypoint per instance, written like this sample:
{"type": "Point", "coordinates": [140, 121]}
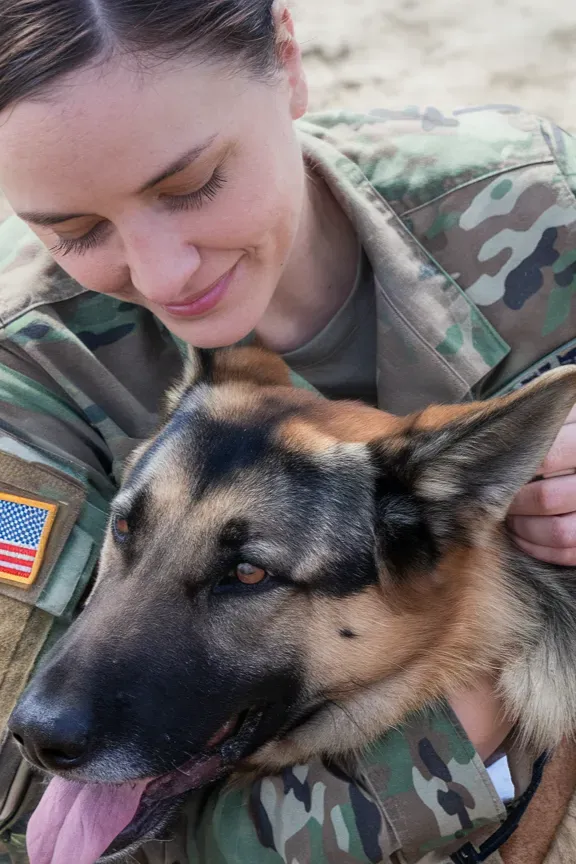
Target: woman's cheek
{"type": "Point", "coordinates": [97, 271]}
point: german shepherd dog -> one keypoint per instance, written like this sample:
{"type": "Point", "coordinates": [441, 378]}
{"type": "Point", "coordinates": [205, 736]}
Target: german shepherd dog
{"type": "Point", "coordinates": [285, 577]}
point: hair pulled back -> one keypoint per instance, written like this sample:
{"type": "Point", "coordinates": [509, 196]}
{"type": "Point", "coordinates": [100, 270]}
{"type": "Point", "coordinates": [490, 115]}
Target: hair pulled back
{"type": "Point", "coordinates": [43, 40]}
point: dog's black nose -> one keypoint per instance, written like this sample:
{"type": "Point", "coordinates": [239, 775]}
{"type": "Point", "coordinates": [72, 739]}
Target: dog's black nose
{"type": "Point", "coordinates": [56, 739]}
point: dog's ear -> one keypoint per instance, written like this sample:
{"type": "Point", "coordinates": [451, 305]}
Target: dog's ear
{"type": "Point", "coordinates": [197, 368]}
{"type": "Point", "coordinates": [456, 469]}
{"type": "Point", "coordinates": [249, 364]}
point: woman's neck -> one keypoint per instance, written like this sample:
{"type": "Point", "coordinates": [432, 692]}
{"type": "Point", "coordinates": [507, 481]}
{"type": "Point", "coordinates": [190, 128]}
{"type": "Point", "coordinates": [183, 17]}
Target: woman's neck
{"type": "Point", "coordinates": [318, 276]}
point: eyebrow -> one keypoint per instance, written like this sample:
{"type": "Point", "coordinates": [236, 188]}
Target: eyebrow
{"type": "Point", "coordinates": [179, 164]}
{"type": "Point", "coordinates": [38, 217]}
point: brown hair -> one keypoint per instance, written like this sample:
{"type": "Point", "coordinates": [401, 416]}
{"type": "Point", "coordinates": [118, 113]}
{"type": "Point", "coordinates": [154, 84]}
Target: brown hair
{"type": "Point", "coordinates": [42, 40]}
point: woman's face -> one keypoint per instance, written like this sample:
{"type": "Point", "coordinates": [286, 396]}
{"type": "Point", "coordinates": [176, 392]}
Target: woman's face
{"type": "Point", "coordinates": [177, 188]}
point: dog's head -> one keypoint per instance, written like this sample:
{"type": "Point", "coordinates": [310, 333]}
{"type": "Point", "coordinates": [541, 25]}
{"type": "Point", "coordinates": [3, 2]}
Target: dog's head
{"type": "Point", "coordinates": [272, 558]}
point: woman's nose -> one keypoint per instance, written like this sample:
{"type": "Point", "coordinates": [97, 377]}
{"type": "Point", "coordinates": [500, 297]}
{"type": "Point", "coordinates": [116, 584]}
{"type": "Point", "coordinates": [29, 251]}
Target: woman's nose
{"type": "Point", "coordinates": [162, 267]}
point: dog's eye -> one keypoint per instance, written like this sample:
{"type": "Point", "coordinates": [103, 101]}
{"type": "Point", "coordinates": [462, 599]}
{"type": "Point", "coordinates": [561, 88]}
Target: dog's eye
{"type": "Point", "coordinates": [243, 576]}
{"type": "Point", "coordinates": [249, 575]}
{"type": "Point", "coordinates": [120, 528]}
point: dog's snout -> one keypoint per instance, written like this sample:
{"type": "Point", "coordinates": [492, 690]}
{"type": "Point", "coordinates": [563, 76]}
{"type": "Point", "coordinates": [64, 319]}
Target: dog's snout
{"type": "Point", "coordinates": [55, 740]}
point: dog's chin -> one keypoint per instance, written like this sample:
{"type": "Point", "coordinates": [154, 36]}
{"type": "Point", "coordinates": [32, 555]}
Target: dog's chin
{"type": "Point", "coordinates": [165, 794]}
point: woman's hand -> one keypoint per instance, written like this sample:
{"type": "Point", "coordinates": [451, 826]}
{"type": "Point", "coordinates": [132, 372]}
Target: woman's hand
{"type": "Point", "coordinates": [542, 518]}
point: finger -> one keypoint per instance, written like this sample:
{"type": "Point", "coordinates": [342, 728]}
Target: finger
{"type": "Point", "coordinates": [546, 498]}
{"type": "Point", "coordinates": [563, 557]}
{"type": "Point", "coordinates": [562, 456]}
{"type": "Point", "coordinates": [550, 531]}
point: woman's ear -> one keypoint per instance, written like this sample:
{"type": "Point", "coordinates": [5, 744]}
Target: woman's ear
{"type": "Point", "coordinates": [290, 58]}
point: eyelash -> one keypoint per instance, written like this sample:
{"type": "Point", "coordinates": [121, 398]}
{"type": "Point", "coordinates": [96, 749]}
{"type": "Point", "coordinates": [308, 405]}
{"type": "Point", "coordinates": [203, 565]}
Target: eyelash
{"type": "Point", "coordinates": [79, 245]}
{"type": "Point", "coordinates": [175, 204]}
{"type": "Point", "coordinates": [195, 200]}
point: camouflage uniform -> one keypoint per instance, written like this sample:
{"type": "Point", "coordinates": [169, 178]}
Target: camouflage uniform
{"type": "Point", "coordinates": [469, 222]}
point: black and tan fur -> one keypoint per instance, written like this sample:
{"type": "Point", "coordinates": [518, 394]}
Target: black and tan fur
{"type": "Point", "coordinates": [392, 580]}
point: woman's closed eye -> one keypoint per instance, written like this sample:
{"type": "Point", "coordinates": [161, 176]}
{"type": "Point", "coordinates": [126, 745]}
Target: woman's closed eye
{"type": "Point", "coordinates": [79, 245]}
{"type": "Point", "coordinates": [195, 200]}
{"type": "Point", "coordinates": [174, 203]}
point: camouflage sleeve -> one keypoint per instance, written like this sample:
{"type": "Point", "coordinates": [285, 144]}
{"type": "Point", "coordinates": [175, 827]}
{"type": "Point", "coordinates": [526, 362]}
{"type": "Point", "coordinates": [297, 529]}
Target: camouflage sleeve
{"type": "Point", "coordinates": [48, 453]}
{"type": "Point", "coordinates": [421, 788]}
{"type": "Point", "coordinates": [311, 814]}
{"type": "Point", "coordinates": [34, 410]}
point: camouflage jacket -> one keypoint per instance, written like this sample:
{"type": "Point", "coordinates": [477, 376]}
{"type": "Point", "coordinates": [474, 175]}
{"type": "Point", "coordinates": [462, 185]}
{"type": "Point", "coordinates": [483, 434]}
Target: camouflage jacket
{"type": "Point", "coordinates": [469, 222]}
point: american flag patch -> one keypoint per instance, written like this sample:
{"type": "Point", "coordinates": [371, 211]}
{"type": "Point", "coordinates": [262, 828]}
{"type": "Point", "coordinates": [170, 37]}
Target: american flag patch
{"type": "Point", "coordinates": [25, 526]}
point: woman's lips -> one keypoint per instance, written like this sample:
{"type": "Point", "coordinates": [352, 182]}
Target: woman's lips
{"type": "Point", "coordinates": [203, 302]}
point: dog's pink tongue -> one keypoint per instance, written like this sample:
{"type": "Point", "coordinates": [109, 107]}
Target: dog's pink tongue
{"type": "Point", "coordinates": [76, 822]}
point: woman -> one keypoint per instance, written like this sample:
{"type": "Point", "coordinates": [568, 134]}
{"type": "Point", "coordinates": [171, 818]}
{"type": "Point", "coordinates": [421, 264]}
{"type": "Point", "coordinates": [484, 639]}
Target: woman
{"type": "Point", "coordinates": [157, 152]}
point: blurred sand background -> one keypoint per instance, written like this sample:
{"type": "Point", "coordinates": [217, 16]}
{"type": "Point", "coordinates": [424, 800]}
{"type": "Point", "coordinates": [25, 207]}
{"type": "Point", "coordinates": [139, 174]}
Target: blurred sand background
{"type": "Point", "coordinates": [447, 53]}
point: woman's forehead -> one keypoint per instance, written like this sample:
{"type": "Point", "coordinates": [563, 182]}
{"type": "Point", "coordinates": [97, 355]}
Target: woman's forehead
{"type": "Point", "coordinates": [119, 122]}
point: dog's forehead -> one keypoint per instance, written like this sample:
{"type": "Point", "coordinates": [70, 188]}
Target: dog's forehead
{"type": "Point", "coordinates": [238, 450]}
{"type": "Point", "coordinates": [216, 438]}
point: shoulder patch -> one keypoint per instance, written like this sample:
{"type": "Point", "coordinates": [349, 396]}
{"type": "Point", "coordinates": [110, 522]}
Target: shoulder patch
{"type": "Point", "coordinates": [25, 526]}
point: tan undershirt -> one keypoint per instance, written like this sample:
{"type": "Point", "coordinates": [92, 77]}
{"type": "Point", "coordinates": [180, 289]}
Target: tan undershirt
{"type": "Point", "coordinates": [340, 361]}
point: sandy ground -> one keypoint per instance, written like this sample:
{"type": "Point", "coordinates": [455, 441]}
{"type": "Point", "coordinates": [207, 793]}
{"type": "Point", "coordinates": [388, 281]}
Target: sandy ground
{"type": "Point", "coordinates": [447, 53]}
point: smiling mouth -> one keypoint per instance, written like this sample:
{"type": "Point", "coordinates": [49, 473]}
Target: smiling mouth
{"type": "Point", "coordinates": [203, 302]}
{"type": "Point", "coordinates": [163, 794]}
